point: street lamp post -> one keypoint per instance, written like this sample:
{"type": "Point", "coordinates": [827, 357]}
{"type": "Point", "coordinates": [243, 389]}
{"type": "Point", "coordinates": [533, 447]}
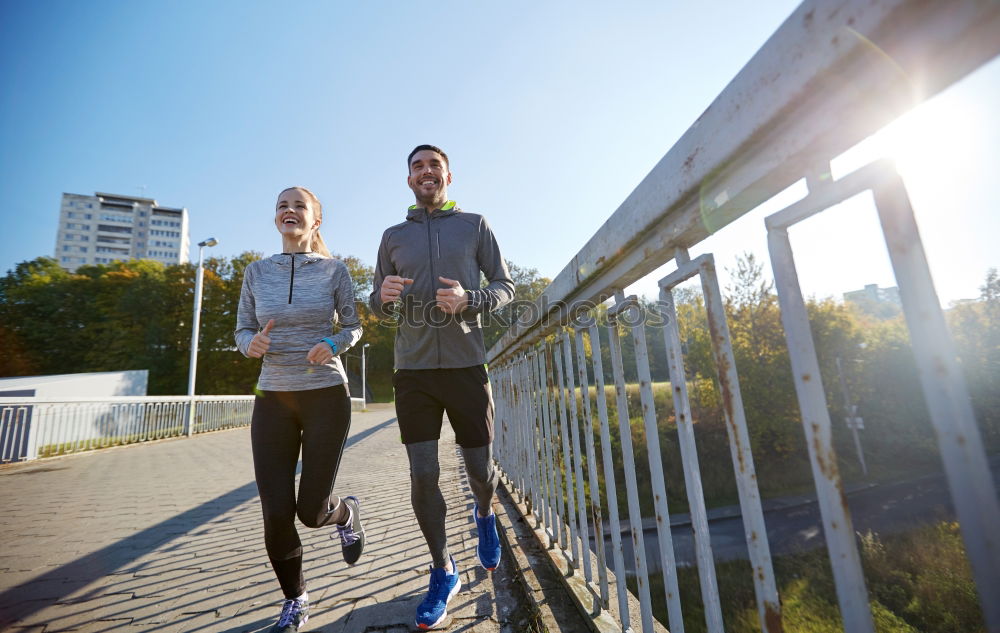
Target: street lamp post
{"type": "Point", "coordinates": [364, 393]}
{"type": "Point", "coordinates": [195, 324]}
{"type": "Point", "coordinates": [854, 422]}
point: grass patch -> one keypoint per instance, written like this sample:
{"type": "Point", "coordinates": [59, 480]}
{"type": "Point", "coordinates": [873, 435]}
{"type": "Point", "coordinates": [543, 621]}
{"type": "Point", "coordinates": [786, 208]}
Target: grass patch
{"type": "Point", "coordinates": [96, 443]}
{"type": "Point", "coordinates": [918, 581]}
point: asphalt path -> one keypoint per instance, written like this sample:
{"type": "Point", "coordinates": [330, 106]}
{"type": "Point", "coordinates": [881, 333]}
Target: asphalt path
{"type": "Point", "coordinates": [794, 523]}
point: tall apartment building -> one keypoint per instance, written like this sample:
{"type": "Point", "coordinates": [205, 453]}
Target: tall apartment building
{"type": "Point", "coordinates": [104, 227]}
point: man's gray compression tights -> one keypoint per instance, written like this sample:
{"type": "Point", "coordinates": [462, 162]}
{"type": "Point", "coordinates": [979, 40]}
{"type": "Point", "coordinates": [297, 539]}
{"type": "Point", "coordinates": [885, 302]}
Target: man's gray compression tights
{"type": "Point", "coordinates": [425, 494]}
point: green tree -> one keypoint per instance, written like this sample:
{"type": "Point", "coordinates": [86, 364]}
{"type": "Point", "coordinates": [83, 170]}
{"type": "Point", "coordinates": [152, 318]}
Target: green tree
{"type": "Point", "coordinates": [138, 322]}
{"type": "Point", "coordinates": [376, 333]}
{"type": "Point", "coordinates": [975, 327]}
{"type": "Point", "coordinates": [528, 286]}
{"type": "Point", "coordinates": [221, 368]}
{"type": "Point", "coordinates": [763, 365]}
{"type": "Point", "coordinates": [45, 318]}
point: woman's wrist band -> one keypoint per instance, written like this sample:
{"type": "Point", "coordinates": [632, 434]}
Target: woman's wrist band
{"type": "Point", "coordinates": [333, 346]}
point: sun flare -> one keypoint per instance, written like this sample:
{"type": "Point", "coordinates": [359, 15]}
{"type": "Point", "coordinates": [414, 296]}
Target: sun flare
{"type": "Point", "coordinates": [933, 146]}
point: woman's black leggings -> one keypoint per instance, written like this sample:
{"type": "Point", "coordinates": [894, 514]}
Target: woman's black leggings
{"type": "Point", "coordinates": [317, 420]}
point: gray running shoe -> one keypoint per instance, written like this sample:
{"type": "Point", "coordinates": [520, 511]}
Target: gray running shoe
{"type": "Point", "coordinates": [294, 614]}
{"type": "Point", "coordinates": [352, 535]}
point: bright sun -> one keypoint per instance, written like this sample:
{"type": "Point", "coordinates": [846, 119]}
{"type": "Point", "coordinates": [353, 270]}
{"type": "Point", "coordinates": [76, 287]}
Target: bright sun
{"type": "Point", "coordinates": [934, 148]}
{"type": "Point", "coordinates": [938, 152]}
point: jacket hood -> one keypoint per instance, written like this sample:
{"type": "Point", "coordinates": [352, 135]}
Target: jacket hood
{"type": "Point", "coordinates": [419, 213]}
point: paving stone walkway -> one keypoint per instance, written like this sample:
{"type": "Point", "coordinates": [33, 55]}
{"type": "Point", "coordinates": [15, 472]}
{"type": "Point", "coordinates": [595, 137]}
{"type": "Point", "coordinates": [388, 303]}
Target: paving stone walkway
{"type": "Point", "coordinates": [167, 537]}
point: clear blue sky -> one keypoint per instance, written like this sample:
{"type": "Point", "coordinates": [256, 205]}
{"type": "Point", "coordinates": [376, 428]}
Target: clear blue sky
{"type": "Point", "coordinates": [552, 113]}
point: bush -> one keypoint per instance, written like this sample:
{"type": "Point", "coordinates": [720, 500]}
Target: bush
{"type": "Point", "coordinates": [918, 581]}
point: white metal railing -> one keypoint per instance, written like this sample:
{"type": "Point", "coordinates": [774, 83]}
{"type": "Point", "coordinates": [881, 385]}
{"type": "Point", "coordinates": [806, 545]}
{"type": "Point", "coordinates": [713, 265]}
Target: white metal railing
{"type": "Point", "coordinates": [829, 77]}
{"type": "Point", "coordinates": [32, 428]}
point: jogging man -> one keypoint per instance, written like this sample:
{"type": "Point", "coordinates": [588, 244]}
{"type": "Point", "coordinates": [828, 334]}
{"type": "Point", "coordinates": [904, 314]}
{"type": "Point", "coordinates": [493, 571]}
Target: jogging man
{"type": "Point", "coordinates": [428, 271]}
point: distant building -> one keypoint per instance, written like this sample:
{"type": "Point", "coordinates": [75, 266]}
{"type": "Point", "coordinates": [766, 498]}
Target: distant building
{"type": "Point", "coordinates": [872, 294]}
{"type": "Point", "coordinates": [104, 227]}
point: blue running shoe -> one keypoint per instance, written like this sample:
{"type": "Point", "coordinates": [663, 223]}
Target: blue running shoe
{"type": "Point", "coordinates": [434, 609]}
{"type": "Point", "coordinates": [488, 549]}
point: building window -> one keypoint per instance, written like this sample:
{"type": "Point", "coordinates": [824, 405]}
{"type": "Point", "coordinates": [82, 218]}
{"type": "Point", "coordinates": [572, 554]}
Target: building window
{"type": "Point", "coordinates": [114, 229]}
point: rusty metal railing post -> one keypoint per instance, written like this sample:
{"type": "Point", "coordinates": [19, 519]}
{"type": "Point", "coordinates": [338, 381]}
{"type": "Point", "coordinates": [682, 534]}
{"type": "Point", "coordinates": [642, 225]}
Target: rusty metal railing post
{"type": "Point", "coordinates": [969, 478]}
{"type": "Point", "coordinates": [558, 524]}
{"type": "Point", "coordinates": [837, 525]}
{"type": "Point", "coordinates": [636, 324]}
{"type": "Point", "coordinates": [689, 457]}
{"type": "Point", "coordinates": [628, 459]}
{"type": "Point", "coordinates": [583, 528]}
{"type": "Point", "coordinates": [970, 481]}
{"type": "Point", "coordinates": [610, 483]}
{"type": "Point", "coordinates": [537, 450]}
{"type": "Point", "coordinates": [546, 446]}
{"type": "Point", "coordinates": [520, 448]}
{"type": "Point", "coordinates": [595, 492]}
{"type": "Point", "coordinates": [570, 517]}
{"type": "Point", "coordinates": [765, 586]}
{"type": "Point", "coordinates": [530, 434]}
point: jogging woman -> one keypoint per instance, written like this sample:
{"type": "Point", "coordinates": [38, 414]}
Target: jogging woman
{"type": "Point", "coordinates": [289, 306]}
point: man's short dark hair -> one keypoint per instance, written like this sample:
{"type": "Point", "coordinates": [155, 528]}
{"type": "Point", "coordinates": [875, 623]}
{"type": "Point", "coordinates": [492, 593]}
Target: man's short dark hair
{"type": "Point", "coordinates": [433, 148]}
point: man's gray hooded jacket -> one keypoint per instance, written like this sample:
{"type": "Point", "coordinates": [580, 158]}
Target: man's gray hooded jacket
{"type": "Point", "coordinates": [446, 243]}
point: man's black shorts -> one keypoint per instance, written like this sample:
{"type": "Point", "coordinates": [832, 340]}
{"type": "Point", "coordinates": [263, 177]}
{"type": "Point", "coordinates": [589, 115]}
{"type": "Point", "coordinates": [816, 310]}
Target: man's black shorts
{"type": "Point", "coordinates": [423, 395]}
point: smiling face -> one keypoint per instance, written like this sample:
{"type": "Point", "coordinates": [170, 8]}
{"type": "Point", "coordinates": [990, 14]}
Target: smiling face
{"type": "Point", "coordinates": [429, 178]}
{"type": "Point", "coordinates": [296, 215]}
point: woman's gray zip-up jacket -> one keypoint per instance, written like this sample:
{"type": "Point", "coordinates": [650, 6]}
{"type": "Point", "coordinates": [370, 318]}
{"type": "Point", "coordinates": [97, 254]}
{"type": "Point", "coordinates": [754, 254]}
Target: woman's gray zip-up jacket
{"type": "Point", "coordinates": [307, 295]}
{"type": "Point", "coordinates": [447, 243]}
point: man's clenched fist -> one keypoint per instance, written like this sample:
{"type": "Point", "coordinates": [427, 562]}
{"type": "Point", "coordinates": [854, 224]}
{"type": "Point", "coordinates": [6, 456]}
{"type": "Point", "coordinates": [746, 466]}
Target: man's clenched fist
{"type": "Point", "coordinates": [453, 298]}
{"type": "Point", "coordinates": [392, 287]}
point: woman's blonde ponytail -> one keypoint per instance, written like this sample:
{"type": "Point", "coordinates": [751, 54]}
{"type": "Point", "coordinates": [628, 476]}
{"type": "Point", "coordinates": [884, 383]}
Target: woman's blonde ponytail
{"type": "Point", "coordinates": [319, 246]}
